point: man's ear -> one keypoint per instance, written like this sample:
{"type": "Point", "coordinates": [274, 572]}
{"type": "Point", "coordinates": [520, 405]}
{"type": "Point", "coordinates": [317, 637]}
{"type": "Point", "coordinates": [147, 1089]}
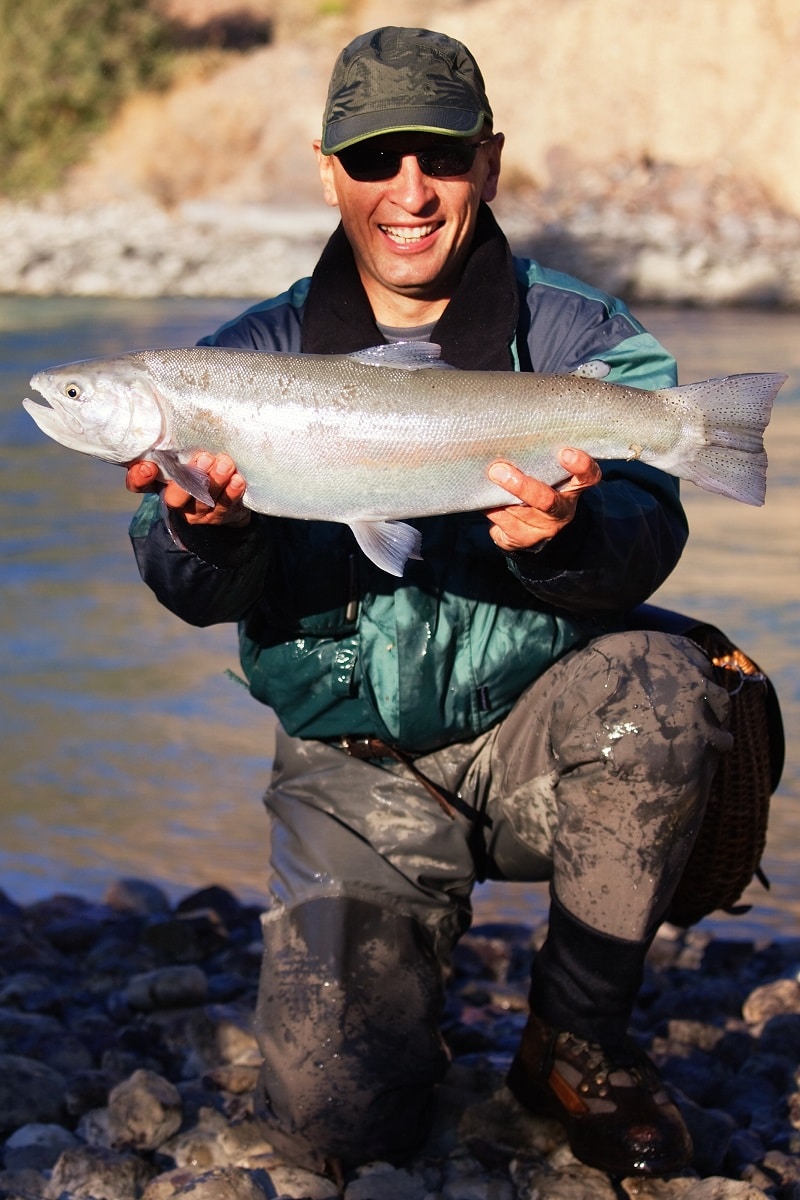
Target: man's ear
{"type": "Point", "coordinates": [489, 190]}
{"type": "Point", "coordinates": [325, 165]}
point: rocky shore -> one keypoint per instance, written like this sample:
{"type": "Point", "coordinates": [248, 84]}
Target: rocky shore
{"type": "Point", "coordinates": [652, 234]}
{"type": "Point", "coordinates": [127, 1064]}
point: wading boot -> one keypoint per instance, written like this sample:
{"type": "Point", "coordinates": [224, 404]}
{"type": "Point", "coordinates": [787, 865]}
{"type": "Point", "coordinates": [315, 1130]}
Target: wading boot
{"type": "Point", "coordinates": [613, 1104]}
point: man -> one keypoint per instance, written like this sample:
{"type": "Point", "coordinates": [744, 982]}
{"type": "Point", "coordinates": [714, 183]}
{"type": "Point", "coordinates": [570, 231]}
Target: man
{"type": "Point", "coordinates": [487, 715]}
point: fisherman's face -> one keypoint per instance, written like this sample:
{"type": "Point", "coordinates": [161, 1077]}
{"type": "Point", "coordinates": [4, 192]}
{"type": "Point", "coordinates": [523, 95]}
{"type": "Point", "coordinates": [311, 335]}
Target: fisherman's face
{"type": "Point", "coordinates": [410, 234]}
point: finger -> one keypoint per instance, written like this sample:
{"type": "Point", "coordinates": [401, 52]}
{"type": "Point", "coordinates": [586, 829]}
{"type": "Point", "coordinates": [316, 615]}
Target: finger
{"type": "Point", "coordinates": [174, 496]}
{"type": "Point", "coordinates": [584, 470]}
{"type": "Point", "coordinates": [142, 476]}
{"type": "Point", "coordinates": [530, 491]}
{"type": "Point", "coordinates": [225, 482]}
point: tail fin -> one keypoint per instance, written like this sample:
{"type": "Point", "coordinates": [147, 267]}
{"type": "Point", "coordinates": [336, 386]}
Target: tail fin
{"type": "Point", "coordinates": [730, 456]}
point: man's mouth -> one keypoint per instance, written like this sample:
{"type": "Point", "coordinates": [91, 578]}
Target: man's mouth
{"type": "Point", "coordinates": [404, 235]}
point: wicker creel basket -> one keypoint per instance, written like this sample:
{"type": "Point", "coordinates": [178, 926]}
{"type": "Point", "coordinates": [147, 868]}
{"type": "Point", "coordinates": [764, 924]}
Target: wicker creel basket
{"type": "Point", "coordinates": [732, 837]}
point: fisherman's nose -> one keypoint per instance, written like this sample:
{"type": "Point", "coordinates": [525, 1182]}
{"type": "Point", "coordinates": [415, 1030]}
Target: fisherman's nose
{"type": "Point", "coordinates": [412, 187]}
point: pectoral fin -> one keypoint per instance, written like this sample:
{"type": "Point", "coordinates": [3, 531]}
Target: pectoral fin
{"type": "Point", "coordinates": [389, 544]}
{"type": "Point", "coordinates": [191, 479]}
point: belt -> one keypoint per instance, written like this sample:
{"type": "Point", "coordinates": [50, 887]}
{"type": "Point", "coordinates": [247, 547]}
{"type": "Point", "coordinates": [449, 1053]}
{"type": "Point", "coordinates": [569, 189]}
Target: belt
{"type": "Point", "coordinates": [368, 748]}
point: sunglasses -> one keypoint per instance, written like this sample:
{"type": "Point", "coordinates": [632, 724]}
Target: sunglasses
{"type": "Point", "coordinates": [369, 164]}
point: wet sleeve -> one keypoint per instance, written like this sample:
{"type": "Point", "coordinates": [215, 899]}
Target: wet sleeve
{"type": "Point", "coordinates": [203, 575]}
{"type": "Point", "coordinates": [627, 536]}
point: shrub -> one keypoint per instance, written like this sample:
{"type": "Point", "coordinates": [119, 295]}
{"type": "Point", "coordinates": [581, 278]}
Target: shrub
{"type": "Point", "coordinates": [66, 66]}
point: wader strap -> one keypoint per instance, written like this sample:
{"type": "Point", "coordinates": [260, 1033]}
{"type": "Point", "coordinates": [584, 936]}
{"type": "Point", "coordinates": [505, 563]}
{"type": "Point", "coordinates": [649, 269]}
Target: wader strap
{"type": "Point", "coordinates": [373, 747]}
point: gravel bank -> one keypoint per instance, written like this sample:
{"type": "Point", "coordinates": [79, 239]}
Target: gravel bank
{"type": "Point", "coordinates": [127, 1064]}
{"type": "Point", "coordinates": [653, 235]}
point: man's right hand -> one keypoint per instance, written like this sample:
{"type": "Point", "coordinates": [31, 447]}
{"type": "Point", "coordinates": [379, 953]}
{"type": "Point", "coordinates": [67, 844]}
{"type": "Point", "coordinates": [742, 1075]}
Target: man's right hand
{"type": "Point", "coordinates": [225, 484]}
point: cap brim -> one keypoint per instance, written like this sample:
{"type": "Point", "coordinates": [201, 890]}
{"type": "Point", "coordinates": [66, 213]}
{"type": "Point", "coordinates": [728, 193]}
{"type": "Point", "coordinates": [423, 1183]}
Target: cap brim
{"type": "Point", "coordinates": [453, 122]}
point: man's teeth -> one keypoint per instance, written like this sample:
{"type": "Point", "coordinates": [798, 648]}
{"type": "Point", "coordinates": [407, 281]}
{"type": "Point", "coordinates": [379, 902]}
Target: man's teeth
{"type": "Point", "coordinates": [402, 233]}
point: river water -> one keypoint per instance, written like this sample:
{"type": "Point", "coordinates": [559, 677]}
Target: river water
{"type": "Point", "coordinates": [126, 749]}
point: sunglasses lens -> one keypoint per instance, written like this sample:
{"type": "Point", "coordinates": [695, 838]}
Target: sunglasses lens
{"type": "Point", "coordinates": [441, 161]}
{"type": "Point", "coordinates": [369, 164]}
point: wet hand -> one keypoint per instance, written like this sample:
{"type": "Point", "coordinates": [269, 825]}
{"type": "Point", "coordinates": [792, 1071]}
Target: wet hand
{"type": "Point", "coordinates": [544, 511]}
{"type": "Point", "coordinates": [225, 484]}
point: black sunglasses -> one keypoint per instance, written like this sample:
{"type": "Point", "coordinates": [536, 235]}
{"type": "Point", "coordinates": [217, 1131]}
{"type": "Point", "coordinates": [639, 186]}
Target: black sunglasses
{"type": "Point", "coordinates": [368, 164]}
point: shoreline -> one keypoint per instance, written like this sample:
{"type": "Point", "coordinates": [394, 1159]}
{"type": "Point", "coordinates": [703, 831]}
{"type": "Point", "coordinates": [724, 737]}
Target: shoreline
{"type": "Point", "coordinates": [128, 1062]}
{"type": "Point", "coordinates": [139, 249]}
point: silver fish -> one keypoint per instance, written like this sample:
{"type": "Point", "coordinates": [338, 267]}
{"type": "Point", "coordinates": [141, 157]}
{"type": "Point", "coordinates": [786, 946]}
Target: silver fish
{"type": "Point", "coordinates": [393, 432]}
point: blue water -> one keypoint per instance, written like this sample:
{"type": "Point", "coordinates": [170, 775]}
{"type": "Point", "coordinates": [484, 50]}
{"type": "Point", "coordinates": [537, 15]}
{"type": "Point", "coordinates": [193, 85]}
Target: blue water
{"type": "Point", "coordinates": [125, 747]}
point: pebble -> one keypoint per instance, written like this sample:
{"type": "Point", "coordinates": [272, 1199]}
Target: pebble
{"type": "Point", "coordinates": [127, 1063]}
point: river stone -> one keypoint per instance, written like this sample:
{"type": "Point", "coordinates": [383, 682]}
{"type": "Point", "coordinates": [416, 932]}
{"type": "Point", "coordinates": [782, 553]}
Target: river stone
{"type": "Point", "coordinates": [86, 1173]}
{"type": "Point", "coordinates": [187, 937]}
{"type": "Point", "coordinates": [388, 1184]}
{"type": "Point", "coordinates": [477, 1187]}
{"type": "Point", "coordinates": [30, 1092]}
{"type": "Point", "coordinates": [771, 999]}
{"type": "Point", "coordinates": [235, 1041]}
{"type": "Point", "coordinates": [144, 1111]}
{"type": "Point", "coordinates": [718, 1188]}
{"type": "Point", "coordinates": [94, 1128]}
{"type": "Point", "coordinates": [36, 1146]}
{"type": "Point", "coordinates": [535, 1179]}
{"type": "Point", "coordinates": [166, 987]}
{"type": "Point", "coordinates": [220, 1183]}
{"type": "Point", "coordinates": [137, 896]}
{"type": "Point", "coordinates": [25, 1184]}
{"type": "Point", "coordinates": [295, 1181]}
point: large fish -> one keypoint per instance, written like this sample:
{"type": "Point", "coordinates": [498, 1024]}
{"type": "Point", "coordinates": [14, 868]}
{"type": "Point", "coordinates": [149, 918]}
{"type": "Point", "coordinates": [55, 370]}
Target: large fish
{"type": "Point", "coordinates": [392, 432]}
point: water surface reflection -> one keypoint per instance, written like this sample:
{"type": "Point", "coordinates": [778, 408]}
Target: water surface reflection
{"type": "Point", "coordinates": [127, 750]}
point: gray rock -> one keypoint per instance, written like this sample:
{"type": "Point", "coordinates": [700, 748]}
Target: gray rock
{"type": "Point", "coordinates": [711, 1132]}
{"type": "Point", "coordinates": [535, 1180]}
{"type": "Point", "coordinates": [771, 999]}
{"type": "Point", "coordinates": [144, 1111]}
{"type": "Point", "coordinates": [478, 1187]}
{"type": "Point", "coordinates": [294, 1181]}
{"type": "Point", "coordinates": [36, 1146]}
{"type": "Point", "coordinates": [167, 987]}
{"type": "Point", "coordinates": [25, 1184]}
{"type": "Point", "coordinates": [84, 1173]}
{"type": "Point", "coordinates": [94, 1129]}
{"type": "Point", "coordinates": [382, 1182]}
{"type": "Point", "coordinates": [220, 1183]}
{"type": "Point", "coordinates": [20, 987]}
{"type": "Point", "coordinates": [137, 896]}
{"type": "Point", "coordinates": [30, 1093]}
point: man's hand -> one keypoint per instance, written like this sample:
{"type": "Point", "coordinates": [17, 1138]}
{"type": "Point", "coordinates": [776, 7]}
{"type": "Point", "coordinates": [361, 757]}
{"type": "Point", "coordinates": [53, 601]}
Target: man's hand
{"type": "Point", "coordinates": [544, 510]}
{"type": "Point", "coordinates": [225, 484]}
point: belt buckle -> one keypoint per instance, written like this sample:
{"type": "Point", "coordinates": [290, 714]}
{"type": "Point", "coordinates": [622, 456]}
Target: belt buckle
{"type": "Point", "coordinates": [358, 747]}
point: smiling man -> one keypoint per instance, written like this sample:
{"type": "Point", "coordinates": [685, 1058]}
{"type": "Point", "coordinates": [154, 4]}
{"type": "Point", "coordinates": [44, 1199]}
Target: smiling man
{"type": "Point", "coordinates": [490, 714]}
{"type": "Point", "coordinates": [410, 235]}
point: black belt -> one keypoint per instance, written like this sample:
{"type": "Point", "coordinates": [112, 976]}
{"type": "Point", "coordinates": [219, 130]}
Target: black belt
{"type": "Point", "coordinates": [372, 747]}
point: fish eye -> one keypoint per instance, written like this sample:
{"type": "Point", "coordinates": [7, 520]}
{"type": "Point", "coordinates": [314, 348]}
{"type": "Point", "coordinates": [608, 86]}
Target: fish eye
{"type": "Point", "coordinates": [72, 391]}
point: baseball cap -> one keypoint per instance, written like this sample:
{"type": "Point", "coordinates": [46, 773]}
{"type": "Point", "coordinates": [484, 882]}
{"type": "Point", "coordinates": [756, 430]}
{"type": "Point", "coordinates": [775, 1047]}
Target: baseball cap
{"type": "Point", "coordinates": [397, 79]}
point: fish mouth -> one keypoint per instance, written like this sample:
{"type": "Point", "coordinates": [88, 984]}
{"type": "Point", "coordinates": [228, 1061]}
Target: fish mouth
{"type": "Point", "coordinates": [55, 420]}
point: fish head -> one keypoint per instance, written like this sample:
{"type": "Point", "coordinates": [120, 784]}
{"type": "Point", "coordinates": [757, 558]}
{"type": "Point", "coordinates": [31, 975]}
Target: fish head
{"type": "Point", "coordinates": [108, 408]}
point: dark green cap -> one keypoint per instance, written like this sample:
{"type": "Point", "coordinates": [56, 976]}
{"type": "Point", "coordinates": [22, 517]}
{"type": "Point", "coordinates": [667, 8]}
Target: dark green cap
{"type": "Point", "coordinates": [395, 79]}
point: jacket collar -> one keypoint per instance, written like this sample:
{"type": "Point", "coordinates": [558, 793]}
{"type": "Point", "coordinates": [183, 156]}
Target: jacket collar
{"type": "Point", "coordinates": [475, 331]}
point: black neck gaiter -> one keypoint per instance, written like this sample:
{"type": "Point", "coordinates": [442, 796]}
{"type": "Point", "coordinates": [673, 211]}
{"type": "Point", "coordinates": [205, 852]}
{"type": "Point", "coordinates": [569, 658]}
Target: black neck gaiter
{"type": "Point", "coordinates": [475, 331]}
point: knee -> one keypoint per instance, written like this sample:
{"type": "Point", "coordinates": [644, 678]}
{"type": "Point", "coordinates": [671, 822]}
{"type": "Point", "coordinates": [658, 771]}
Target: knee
{"type": "Point", "coordinates": [665, 674]}
{"type": "Point", "coordinates": [348, 1024]}
{"type": "Point", "coordinates": [645, 705]}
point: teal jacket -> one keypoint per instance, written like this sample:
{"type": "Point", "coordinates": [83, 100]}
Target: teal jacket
{"type": "Point", "coordinates": [337, 647]}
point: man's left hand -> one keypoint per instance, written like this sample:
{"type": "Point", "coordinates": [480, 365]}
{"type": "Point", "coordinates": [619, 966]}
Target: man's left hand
{"type": "Point", "coordinates": [543, 510]}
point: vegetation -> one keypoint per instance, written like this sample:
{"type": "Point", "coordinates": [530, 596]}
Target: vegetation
{"type": "Point", "coordinates": [66, 66]}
